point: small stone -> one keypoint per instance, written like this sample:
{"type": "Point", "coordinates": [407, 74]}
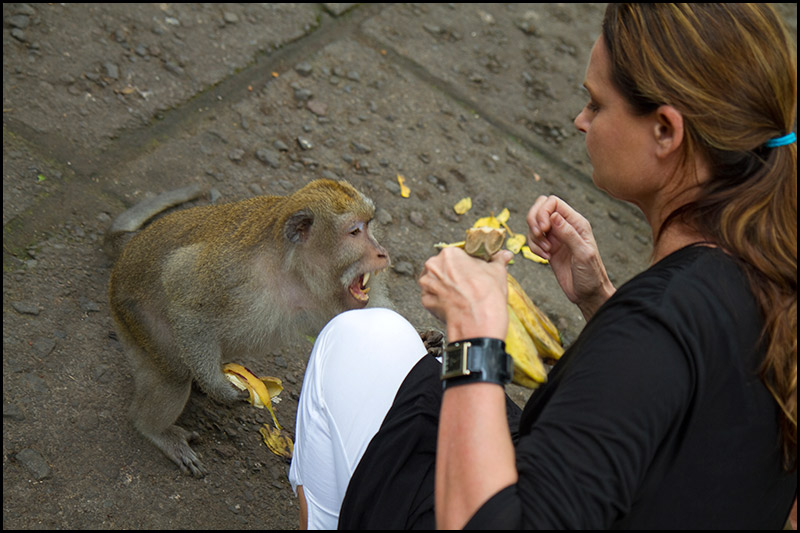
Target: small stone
{"type": "Point", "coordinates": [269, 157]}
{"type": "Point", "coordinates": [173, 67]}
{"type": "Point", "coordinates": [25, 308]}
{"type": "Point", "coordinates": [304, 69]}
{"type": "Point", "coordinates": [19, 35]}
{"type": "Point", "coordinates": [360, 148]}
{"type": "Point", "coordinates": [417, 219]}
{"type": "Point", "coordinates": [404, 268]}
{"type": "Point", "coordinates": [12, 412]}
{"type": "Point", "coordinates": [18, 21]}
{"type": "Point", "coordinates": [383, 216]}
{"type": "Point", "coordinates": [392, 186]}
{"type": "Point", "coordinates": [318, 108]}
{"type": "Point", "coordinates": [43, 346]}
{"type": "Point", "coordinates": [89, 306]}
{"type": "Point", "coordinates": [112, 70]}
{"type": "Point", "coordinates": [449, 214]}
{"type": "Point", "coordinates": [303, 95]}
{"type": "Point", "coordinates": [35, 463]}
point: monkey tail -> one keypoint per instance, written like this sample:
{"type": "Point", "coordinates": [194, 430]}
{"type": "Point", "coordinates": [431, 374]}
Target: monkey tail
{"type": "Point", "coordinates": [133, 219]}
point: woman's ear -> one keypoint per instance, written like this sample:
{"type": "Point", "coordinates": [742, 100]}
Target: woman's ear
{"type": "Point", "coordinates": [668, 130]}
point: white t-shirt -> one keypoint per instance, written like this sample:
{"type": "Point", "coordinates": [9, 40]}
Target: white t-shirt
{"type": "Point", "coordinates": [358, 363]}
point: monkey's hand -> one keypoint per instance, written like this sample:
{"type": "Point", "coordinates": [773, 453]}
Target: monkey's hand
{"type": "Point", "coordinates": [224, 392]}
{"type": "Point", "coordinates": [239, 395]}
{"type": "Point", "coordinates": [433, 339]}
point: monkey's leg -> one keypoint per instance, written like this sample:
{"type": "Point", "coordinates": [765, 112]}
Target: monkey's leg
{"type": "Point", "coordinates": [157, 403]}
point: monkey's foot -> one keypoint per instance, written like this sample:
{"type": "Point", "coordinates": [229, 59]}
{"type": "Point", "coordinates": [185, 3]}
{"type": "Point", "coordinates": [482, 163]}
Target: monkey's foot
{"type": "Point", "coordinates": [174, 442]}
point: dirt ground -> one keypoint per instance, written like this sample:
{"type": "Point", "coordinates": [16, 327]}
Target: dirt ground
{"type": "Point", "coordinates": [106, 105]}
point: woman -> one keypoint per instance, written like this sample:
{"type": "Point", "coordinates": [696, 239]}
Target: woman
{"type": "Point", "coordinates": [684, 102]}
{"type": "Point", "coordinates": [676, 406]}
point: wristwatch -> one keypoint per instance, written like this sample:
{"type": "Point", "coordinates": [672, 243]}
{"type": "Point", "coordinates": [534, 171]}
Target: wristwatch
{"type": "Point", "coordinates": [476, 360]}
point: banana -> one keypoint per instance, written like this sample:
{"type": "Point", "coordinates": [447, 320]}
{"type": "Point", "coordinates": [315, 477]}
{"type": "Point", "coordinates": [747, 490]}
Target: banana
{"type": "Point", "coordinates": [539, 327]}
{"type": "Point", "coordinates": [528, 368]}
{"type": "Point", "coordinates": [532, 337]}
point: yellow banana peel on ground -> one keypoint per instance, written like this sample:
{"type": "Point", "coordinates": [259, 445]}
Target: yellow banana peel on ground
{"type": "Point", "coordinates": [405, 192]}
{"type": "Point", "coordinates": [463, 205]}
{"type": "Point", "coordinates": [262, 390]}
{"type": "Point", "coordinates": [277, 442]}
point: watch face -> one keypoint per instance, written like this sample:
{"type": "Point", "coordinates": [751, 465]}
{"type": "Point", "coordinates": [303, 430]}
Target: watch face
{"type": "Point", "coordinates": [454, 362]}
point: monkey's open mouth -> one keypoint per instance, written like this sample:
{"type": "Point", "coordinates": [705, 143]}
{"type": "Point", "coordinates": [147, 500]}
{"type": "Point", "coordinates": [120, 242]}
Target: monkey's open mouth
{"type": "Point", "coordinates": [358, 289]}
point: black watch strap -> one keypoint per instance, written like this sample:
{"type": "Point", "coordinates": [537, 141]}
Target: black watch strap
{"type": "Point", "coordinates": [476, 360]}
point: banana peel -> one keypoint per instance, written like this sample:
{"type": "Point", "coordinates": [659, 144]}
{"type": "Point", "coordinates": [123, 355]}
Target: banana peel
{"type": "Point", "coordinates": [262, 390]}
{"type": "Point", "coordinates": [484, 241]}
{"type": "Point", "coordinates": [259, 388]}
{"type": "Point", "coordinates": [463, 205]}
{"type": "Point", "coordinates": [528, 368]}
{"type": "Point", "coordinates": [277, 442]}
{"type": "Point", "coordinates": [541, 329]}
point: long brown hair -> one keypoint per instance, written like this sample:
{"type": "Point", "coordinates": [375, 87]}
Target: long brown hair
{"type": "Point", "coordinates": [731, 70]}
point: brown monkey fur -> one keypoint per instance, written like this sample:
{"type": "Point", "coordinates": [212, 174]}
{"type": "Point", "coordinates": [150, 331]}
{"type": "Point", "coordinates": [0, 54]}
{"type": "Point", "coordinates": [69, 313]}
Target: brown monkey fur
{"type": "Point", "coordinates": [206, 285]}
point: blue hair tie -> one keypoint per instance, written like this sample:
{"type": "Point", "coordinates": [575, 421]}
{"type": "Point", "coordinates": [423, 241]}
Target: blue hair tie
{"type": "Point", "coordinates": [789, 138]}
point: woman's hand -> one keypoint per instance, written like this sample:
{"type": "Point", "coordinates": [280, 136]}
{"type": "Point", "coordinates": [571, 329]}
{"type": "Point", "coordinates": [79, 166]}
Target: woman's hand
{"type": "Point", "coordinates": [561, 235]}
{"type": "Point", "coordinates": [470, 295]}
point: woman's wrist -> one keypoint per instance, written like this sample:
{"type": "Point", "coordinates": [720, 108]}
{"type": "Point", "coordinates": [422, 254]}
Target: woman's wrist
{"type": "Point", "coordinates": [491, 324]}
{"type": "Point", "coordinates": [590, 305]}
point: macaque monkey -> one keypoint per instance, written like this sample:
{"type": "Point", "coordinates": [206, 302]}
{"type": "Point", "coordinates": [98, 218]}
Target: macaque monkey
{"type": "Point", "coordinates": [207, 285]}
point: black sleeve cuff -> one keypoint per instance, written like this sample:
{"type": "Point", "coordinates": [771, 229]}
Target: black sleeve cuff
{"type": "Point", "coordinates": [501, 511]}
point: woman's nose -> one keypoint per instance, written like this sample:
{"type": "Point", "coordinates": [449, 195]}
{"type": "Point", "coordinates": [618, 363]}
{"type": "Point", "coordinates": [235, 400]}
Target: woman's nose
{"type": "Point", "coordinates": [581, 121]}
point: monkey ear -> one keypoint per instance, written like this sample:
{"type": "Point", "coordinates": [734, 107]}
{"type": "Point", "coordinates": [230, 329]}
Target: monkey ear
{"type": "Point", "coordinates": [298, 225]}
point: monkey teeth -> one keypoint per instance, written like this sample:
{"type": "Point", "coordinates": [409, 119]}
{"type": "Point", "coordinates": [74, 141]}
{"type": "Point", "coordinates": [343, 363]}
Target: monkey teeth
{"type": "Point", "coordinates": [359, 289]}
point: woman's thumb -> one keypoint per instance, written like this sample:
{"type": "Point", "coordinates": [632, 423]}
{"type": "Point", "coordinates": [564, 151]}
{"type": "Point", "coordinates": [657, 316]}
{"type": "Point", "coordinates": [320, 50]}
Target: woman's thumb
{"type": "Point", "coordinates": [503, 256]}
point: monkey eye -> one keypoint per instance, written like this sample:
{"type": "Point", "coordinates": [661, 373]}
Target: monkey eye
{"type": "Point", "coordinates": [356, 229]}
